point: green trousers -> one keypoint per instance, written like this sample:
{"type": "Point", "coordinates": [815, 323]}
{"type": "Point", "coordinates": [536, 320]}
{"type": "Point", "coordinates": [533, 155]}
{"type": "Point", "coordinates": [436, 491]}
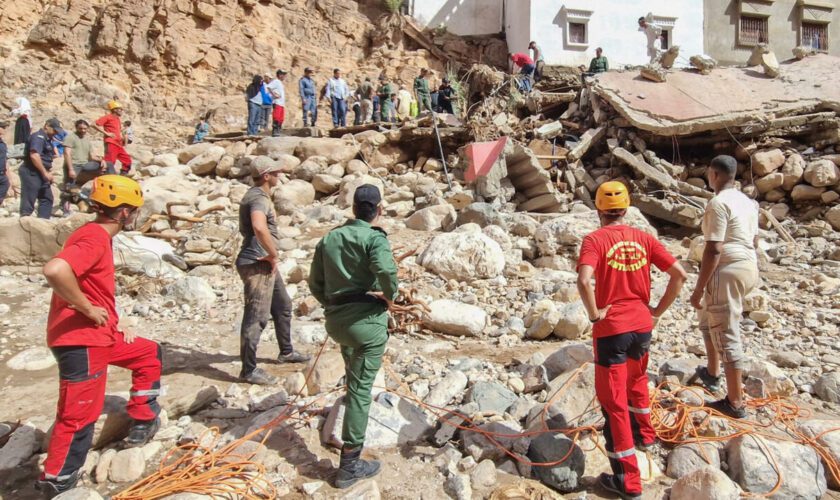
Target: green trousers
{"type": "Point", "coordinates": [425, 102]}
{"type": "Point", "coordinates": [362, 332]}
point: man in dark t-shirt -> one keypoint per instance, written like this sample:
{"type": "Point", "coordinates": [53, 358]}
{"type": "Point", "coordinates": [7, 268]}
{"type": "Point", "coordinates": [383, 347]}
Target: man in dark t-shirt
{"type": "Point", "coordinates": [35, 176]}
{"type": "Point", "coordinates": [265, 294]}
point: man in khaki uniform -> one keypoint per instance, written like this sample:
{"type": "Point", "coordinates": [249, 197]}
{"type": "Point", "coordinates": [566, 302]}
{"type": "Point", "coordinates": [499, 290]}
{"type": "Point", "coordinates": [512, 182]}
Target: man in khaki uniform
{"type": "Point", "coordinates": [728, 272]}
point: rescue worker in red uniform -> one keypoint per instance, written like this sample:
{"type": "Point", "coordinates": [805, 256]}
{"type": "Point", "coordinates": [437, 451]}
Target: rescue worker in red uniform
{"type": "Point", "coordinates": [84, 336]}
{"type": "Point", "coordinates": [619, 258]}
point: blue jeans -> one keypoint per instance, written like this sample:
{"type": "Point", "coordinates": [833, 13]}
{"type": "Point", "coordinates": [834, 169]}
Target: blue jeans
{"type": "Point", "coordinates": [377, 114]}
{"type": "Point", "coordinates": [255, 112]}
{"type": "Point", "coordinates": [310, 106]}
{"type": "Point", "coordinates": [4, 186]}
{"type": "Point", "coordinates": [34, 187]}
{"type": "Point", "coordinates": [339, 112]}
{"type": "Point", "coordinates": [525, 77]}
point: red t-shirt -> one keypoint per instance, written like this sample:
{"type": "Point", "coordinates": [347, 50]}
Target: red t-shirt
{"type": "Point", "coordinates": [521, 59]}
{"type": "Point", "coordinates": [111, 123]}
{"type": "Point", "coordinates": [89, 253]}
{"type": "Point", "coordinates": [621, 257]}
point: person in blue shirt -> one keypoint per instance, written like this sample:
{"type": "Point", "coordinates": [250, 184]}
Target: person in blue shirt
{"type": "Point", "coordinates": [308, 96]}
{"type": "Point", "coordinates": [267, 103]}
{"type": "Point", "coordinates": [201, 130]}
{"type": "Point", "coordinates": [58, 143]}
{"type": "Point", "coordinates": [35, 175]}
{"type": "Point", "coordinates": [337, 92]}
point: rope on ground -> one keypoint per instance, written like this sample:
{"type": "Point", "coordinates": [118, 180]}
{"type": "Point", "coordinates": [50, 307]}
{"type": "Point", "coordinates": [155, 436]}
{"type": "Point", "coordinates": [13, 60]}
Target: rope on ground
{"type": "Point", "coordinates": [198, 467]}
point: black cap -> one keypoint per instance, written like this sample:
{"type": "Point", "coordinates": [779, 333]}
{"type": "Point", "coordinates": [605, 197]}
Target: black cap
{"type": "Point", "coordinates": [281, 72]}
{"type": "Point", "coordinates": [54, 124]}
{"type": "Point", "coordinates": [367, 193]}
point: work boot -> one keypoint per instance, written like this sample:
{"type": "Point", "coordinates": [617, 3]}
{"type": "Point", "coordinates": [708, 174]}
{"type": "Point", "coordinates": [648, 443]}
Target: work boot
{"type": "Point", "coordinates": [706, 379]}
{"type": "Point", "coordinates": [293, 357]}
{"type": "Point", "coordinates": [725, 407]}
{"type": "Point", "coordinates": [352, 469]}
{"type": "Point", "coordinates": [53, 487]}
{"type": "Point", "coordinates": [259, 377]}
{"type": "Point", "coordinates": [611, 483]}
{"type": "Point", "coordinates": [141, 432]}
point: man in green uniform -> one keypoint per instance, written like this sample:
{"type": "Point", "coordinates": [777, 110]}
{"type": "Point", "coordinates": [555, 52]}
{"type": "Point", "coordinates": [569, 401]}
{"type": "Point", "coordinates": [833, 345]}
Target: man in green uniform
{"type": "Point", "coordinates": [599, 63]}
{"type": "Point", "coordinates": [421, 91]}
{"type": "Point", "coordinates": [354, 276]}
{"type": "Point", "coordinates": [384, 91]}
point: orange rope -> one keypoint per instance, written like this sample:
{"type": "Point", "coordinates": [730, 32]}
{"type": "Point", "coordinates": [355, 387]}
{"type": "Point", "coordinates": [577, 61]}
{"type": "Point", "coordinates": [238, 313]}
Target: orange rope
{"type": "Point", "coordinates": [201, 468]}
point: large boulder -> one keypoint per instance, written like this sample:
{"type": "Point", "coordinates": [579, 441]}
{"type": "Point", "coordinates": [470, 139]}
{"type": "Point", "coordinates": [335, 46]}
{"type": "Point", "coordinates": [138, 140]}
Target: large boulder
{"type": "Point", "coordinates": [158, 192]}
{"type": "Point", "coordinates": [687, 458]}
{"type": "Point", "coordinates": [833, 217]}
{"type": "Point", "coordinates": [394, 421]}
{"type": "Point", "coordinates": [192, 151]}
{"type": "Point", "coordinates": [827, 387]}
{"type": "Point", "coordinates": [310, 167]}
{"type": "Point", "coordinates": [276, 146]}
{"type": "Point", "coordinates": [541, 319]}
{"type": "Point", "coordinates": [793, 171]}
{"type": "Point", "coordinates": [757, 462]}
{"type": "Point", "coordinates": [483, 214]}
{"type": "Point", "coordinates": [805, 192]}
{"type": "Point", "coordinates": [335, 150]}
{"type": "Point", "coordinates": [191, 290]}
{"type": "Point", "coordinates": [21, 445]}
{"type": "Point", "coordinates": [574, 322]}
{"type": "Point", "coordinates": [30, 240]}
{"type": "Point", "coordinates": [432, 218]}
{"type": "Point", "coordinates": [326, 184]}
{"type": "Point", "coordinates": [136, 254]}
{"type": "Point", "coordinates": [822, 173]}
{"type": "Point", "coordinates": [567, 358]}
{"type": "Point", "coordinates": [447, 389]}
{"type": "Point", "coordinates": [454, 318]}
{"type": "Point", "coordinates": [464, 254]}
{"type": "Point", "coordinates": [827, 435]}
{"type": "Point", "coordinates": [570, 394]}
{"type": "Point", "coordinates": [491, 397]}
{"type": "Point", "coordinates": [32, 359]}
{"type": "Point", "coordinates": [205, 163]}
{"type": "Point", "coordinates": [767, 161]}
{"type": "Point", "coordinates": [293, 195]}
{"type": "Point", "coordinates": [771, 378]}
{"type": "Point", "coordinates": [349, 185]}
{"type": "Point", "coordinates": [706, 483]}
{"type": "Point", "coordinates": [564, 233]}
{"type": "Point", "coordinates": [552, 447]}
{"type": "Point", "coordinates": [507, 436]}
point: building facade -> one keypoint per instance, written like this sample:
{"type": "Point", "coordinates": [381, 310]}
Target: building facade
{"type": "Point", "coordinates": [569, 31]}
{"type": "Point", "coordinates": [734, 27]}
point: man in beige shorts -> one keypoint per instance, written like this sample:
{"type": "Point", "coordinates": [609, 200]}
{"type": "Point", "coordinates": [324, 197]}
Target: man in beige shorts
{"type": "Point", "coordinates": [728, 272]}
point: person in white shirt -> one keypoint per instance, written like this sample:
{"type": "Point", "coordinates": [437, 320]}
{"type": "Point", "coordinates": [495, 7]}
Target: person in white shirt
{"type": "Point", "coordinates": [728, 272]}
{"type": "Point", "coordinates": [653, 32]}
{"type": "Point", "coordinates": [539, 60]}
{"type": "Point", "coordinates": [278, 93]}
{"type": "Point", "coordinates": [337, 92]}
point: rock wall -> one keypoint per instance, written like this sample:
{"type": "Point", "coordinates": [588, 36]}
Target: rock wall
{"type": "Point", "coordinates": [172, 60]}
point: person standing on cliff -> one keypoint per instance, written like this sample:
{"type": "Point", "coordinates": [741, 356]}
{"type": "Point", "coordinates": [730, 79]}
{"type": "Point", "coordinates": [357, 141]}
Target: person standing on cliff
{"type": "Point", "coordinates": [278, 93]}
{"type": "Point", "coordinates": [308, 97]}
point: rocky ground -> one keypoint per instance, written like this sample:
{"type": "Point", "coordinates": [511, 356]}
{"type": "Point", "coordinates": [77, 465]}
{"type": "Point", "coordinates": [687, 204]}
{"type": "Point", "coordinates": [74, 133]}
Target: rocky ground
{"type": "Point", "coordinates": [504, 340]}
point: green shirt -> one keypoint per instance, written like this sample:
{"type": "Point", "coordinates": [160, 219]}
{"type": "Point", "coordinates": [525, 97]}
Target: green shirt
{"type": "Point", "coordinates": [599, 65]}
{"type": "Point", "coordinates": [385, 91]}
{"type": "Point", "coordinates": [421, 86]}
{"type": "Point", "coordinates": [80, 147]}
{"type": "Point", "coordinates": [353, 258]}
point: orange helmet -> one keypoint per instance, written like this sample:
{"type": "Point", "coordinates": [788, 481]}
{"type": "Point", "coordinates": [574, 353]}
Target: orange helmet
{"type": "Point", "coordinates": [112, 105]}
{"type": "Point", "coordinates": [612, 195]}
{"type": "Point", "coordinates": [115, 190]}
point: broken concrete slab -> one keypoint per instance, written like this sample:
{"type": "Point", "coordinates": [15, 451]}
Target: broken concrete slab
{"type": "Point", "coordinates": [653, 73]}
{"type": "Point", "coordinates": [703, 63]}
{"type": "Point", "coordinates": [690, 103]}
{"type": "Point", "coordinates": [770, 64]}
{"type": "Point", "coordinates": [755, 56]}
{"type": "Point", "coordinates": [678, 213]}
{"type": "Point", "coordinates": [669, 57]}
{"type": "Point", "coordinates": [590, 137]}
{"type": "Point", "coordinates": [642, 168]}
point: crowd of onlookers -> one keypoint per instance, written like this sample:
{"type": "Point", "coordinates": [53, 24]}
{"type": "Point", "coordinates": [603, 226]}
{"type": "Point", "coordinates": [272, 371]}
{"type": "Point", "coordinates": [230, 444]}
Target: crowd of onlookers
{"type": "Point", "coordinates": [385, 101]}
{"type": "Point", "coordinates": [38, 149]}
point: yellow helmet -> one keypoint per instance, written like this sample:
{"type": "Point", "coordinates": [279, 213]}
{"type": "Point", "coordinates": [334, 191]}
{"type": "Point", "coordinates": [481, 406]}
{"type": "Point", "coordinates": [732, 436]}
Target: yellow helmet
{"type": "Point", "coordinates": [115, 190]}
{"type": "Point", "coordinates": [112, 105]}
{"type": "Point", "coordinates": [612, 195]}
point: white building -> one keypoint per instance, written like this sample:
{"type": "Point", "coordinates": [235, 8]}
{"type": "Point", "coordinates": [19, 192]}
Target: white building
{"type": "Point", "coordinates": [569, 31]}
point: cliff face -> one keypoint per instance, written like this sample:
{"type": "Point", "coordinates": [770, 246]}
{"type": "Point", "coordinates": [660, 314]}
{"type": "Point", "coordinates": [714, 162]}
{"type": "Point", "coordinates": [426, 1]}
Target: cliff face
{"type": "Point", "coordinates": [172, 60]}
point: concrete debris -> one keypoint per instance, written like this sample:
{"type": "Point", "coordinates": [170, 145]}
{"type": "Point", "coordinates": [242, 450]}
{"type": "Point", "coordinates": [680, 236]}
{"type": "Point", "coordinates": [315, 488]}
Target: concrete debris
{"type": "Point", "coordinates": [703, 63]}
{"type": "Point", "coordinates": [669, 57]}
{"type": "Point", "coordinates": [654, 73]}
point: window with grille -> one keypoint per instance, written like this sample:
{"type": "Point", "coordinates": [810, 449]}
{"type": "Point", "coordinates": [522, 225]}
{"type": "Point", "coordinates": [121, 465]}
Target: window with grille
{"type": "Point", "coordinates": [815, 36]}
{"type": "Point", "coordinates": [577, 33]}
{"type": "Point", "coordinates": [753, 30]}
